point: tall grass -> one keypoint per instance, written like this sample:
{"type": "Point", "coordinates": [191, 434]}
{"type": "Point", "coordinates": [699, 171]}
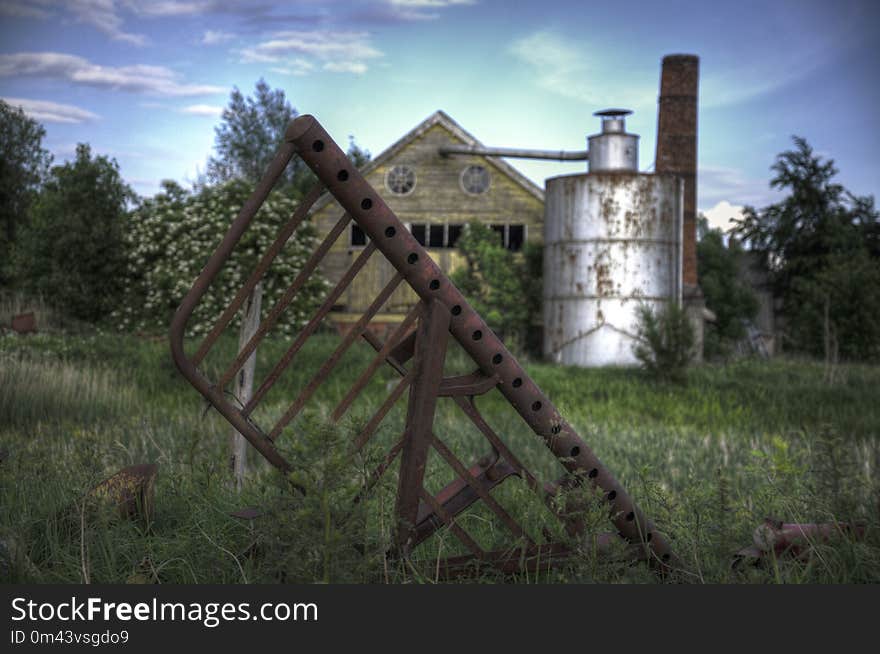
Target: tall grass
{"type": "Point", "coordinates": [57, 391]}
{"type": "Point", "coordinates": [707, 461]}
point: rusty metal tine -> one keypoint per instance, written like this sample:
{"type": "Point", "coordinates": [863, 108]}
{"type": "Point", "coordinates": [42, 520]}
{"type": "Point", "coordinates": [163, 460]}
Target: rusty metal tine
{"type": "Point", "coordinates": [331, 362]}
{"type": "Point", "coordinates": [298, 216]}
{"type": "Point", "coordinates": [184, 312]}
{"type": "Point", "coordinates": [449, 521]}
{"type": "Point", "coordinates": [471, 412]}
{"type": "Point", "coordinates": [370, 428]}
{"type": "Point", "coordinates": [308, 330]}
{"type": "Point", "coordinates": [471, 481]}
{"type": "Point", "coordinates": [377, 361]}
{"type": "Point", "coordinates": [431, 339]}
{"type": "Point", "coordinates": [284, 301]}
{"type": "Point", "coordinates": [221, 254]}
{"type": "Point", "coordinates": [376, 344]}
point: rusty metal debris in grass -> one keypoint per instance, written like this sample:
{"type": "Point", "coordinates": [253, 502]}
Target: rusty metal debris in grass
{"type": "Point", "coordinates": [774, 538]}
{"type": "Point", "coordinates": [130, 492]}
{"type": "Point", "coordinates": [25, 323]}
{"type": "Point", "coordinates": [416, 350]}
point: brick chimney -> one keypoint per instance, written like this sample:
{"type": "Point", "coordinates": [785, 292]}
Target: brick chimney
{"type": "Point", "coordinates": [677, 144]}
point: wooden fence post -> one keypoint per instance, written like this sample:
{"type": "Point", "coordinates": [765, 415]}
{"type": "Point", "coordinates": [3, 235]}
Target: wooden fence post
{"type": "Point", "coordinates": [244, 383]}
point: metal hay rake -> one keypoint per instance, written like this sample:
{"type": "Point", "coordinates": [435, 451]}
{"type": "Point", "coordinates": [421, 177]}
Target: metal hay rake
{"type": "Point", "coordinates": [416, 350]}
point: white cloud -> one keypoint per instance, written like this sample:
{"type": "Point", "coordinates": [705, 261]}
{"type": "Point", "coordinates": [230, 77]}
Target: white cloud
{"type": "Point", "coordinates": [422, 9]}
{"type": "Point", "coordinates": [716, 184]}
{"type": "Point", "coordinates": [164, 8]}
{"type": "Point", "coordinates": [103, 16]}
{"type": "Point", "coordinates": [202, 110]}
{"type": "Point", "coordinates": [565, 67]}
{"type": "Point", "coordinates": [156, 80]}
{"type": "Point", "coordinates": [431, 3]}
{"type": "Point", "coordinates": [356, 67]}
{"type": "Point", "coordinates": [20, 9]}
{"type": "Point", "coordinates": [346, 52]}
{"type": "Point", "coordinates": [52, 112]}
{"type": "Point", "coordinates": [721, 216]}
{"type": "Point", "coordinates": [213, 37]}
{"type": "Point", "coordinates": [297, 67]}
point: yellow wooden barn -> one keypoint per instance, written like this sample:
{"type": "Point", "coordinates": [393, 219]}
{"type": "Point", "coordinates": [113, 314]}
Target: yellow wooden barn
{"type": "Point", "coordinates": [435, 195]}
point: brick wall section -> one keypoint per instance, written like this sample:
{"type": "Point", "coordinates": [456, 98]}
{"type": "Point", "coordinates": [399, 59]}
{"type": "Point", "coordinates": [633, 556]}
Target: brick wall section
{"type": "Point", "coordinates": [677, 143]}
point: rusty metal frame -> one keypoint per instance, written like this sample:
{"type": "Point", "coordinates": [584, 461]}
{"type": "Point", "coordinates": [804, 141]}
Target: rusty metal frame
{"type": "Point", "coordinates": [441, 312]}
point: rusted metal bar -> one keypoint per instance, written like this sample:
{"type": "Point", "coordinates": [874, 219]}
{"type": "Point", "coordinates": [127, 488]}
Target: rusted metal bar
{"type": "Point", "coordinates": [370, 428]}
{"type": "Point", "coordinates": [184, 312]}
{"type": "Point", "coordinates": [377, 361]}
{"type": "Point", "coordinates": [431, 338]}
{"type": "Point", "coordinates": [284, 302]}
{"type": "Point", "coordinates": [244, 292]}
{"type": "Point", "coordinates": [476, 383]}
{"type": "Point", "coordinates": [470, 410]}
{"type": "Point", "coordinates": [458, 496]}
{"type": "Point", "coordinates": [221, 254]}
{"type": "Point", "coordinates": [308, 330]}
{"type": "Point", "coordinates": [334, 358]}
{"type": "Point", "coordinates": [449, 521]}
{"type": "Point", "coordinates": [399, 355]}
{"type": "Point", "coordinates": [479, 489]}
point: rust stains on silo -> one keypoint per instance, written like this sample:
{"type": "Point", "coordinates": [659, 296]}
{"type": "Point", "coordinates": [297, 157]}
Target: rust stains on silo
{"type": "Point", "coordinates": [677, 143]}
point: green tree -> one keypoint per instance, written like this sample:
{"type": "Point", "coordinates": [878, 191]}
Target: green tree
{"type": "Point", "coordinates": [358, 156]}
{"type": "Point", "coordinates": [822, 245]}
{"type": "Point", "coordinates": [499, 284]}
{"type": "Point", "coordinates": [251, 131]}
{"type": "Point", "coordinates": [71, 250]}
{"type": "Point", "coordinates": [732, 301]}
{"type": "Point", "coordinates": [24, 164]}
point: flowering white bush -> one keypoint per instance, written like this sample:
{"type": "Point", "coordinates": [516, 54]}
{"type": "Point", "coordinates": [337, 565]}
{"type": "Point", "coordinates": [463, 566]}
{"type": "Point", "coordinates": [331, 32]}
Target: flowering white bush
{"type": "Point", "coordinates": [172, 235]}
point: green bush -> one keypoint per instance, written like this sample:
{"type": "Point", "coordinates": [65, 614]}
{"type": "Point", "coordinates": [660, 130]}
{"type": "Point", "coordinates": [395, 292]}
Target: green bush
{"type": "Point", "coordinates": [171, 236]}
{"type": "Point", "coordinates": [665, 344]}
{"type": "Point", "coordinates": [503, 286]}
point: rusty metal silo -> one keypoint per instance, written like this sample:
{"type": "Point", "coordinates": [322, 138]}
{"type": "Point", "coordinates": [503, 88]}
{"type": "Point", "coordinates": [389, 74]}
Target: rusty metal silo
{"type": "Point", "coordinates": [612, 240]}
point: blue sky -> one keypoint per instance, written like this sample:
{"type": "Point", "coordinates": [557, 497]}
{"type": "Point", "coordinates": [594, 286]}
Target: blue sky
{"type": "Point", "coordinates": [145, 81]}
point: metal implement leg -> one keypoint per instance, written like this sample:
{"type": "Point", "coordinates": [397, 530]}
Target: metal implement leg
{"type": "Point", "coordinates": [431, 337]}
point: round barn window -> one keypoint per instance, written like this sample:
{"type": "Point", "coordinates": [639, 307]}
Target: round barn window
{"type": "Point", "coordinates": [400, 180]}
{"type": "Point", "coordinates": [475, 180]}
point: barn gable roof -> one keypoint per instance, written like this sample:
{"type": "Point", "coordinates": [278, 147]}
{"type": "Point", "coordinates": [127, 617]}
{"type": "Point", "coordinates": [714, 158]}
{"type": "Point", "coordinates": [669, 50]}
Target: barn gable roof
{"type": "Point", "coordinates": [443, 119]}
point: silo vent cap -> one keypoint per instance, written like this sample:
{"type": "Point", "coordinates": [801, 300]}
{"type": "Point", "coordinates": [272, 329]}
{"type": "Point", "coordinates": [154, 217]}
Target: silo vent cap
{"type": "Point", "coordinates": [613, 119]}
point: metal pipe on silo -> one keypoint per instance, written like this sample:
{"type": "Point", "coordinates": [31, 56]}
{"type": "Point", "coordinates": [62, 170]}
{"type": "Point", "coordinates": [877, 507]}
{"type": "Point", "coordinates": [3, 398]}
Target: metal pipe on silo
{"type": "Point", "coordinates": [612, 241]}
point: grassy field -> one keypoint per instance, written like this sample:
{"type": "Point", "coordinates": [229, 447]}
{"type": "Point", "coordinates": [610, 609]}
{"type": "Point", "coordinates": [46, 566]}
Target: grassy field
{"type": "Point", "coordinates": [707, 461]}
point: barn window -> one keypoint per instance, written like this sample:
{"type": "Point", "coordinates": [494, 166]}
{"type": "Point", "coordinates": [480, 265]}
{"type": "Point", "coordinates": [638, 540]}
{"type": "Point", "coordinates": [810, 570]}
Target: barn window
{"type": "Point", "coordinates": [358, 237]}
{"type": "Point", "coordinates": [400, 180]}
{"type": "Point", "coordinates": [436, 235]}
{"type": "Point", "coordinates": [474, 180]}
{"type": "Point", "coordinates": [418, 231]}
{"type": "Point", "coordinates": [454, 231]}
{"type": "Point", "coordinates": [511, 237]}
